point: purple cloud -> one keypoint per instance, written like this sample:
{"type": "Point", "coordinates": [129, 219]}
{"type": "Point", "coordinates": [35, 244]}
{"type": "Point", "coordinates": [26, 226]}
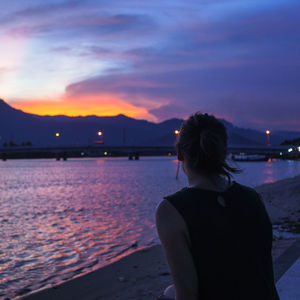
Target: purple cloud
{"type": "Point", "coordinates": [245, 68]}
{"type": "Point", "coordinates": [239, 61]}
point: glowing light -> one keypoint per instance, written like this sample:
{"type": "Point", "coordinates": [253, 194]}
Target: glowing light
{"type": "Point", "coordinates": [268, 132]}
{"type": "Point", "coordinates": [100, 133]}
{"type": "Point", "coordinates": [176, 131]}
{"type": "Point", "coordinates": [111, 105]}
{"type": "Point", "coordinates": [105, 153]}
{"type": "Point", "coordinates": [290, 149]}
{"type": "Point", "coordinates": [169, 154]}
{"type": "Point", "coordinates": [57, 134]}
{"type": "Point", "coordinates": [280, 153]}
{"type": "Point", "coordinates": [299, 148]}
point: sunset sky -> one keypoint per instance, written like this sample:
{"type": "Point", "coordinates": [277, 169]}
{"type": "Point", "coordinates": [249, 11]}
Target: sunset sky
{"type": "Point", "coordinates": [154, 60]}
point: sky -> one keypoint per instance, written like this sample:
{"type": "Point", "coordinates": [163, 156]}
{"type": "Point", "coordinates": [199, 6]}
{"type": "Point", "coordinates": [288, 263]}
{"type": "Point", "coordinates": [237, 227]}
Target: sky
{"type": "Point", "coordinates": [154, 60]}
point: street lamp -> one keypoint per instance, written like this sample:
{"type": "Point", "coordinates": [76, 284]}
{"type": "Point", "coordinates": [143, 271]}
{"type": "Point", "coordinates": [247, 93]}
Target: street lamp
{"type": "Point", "coordinates": [100, 135]}
{"type": "Point", "coordinates": [268, 136]}
{"type": "Point", "coordinates": [57, 139]}
{"type": "Point", "coordinates": [176, 131]}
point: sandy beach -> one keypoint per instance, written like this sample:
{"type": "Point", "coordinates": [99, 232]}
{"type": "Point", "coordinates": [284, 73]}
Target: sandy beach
{"type": "Point", "coordinates": [144, 274]}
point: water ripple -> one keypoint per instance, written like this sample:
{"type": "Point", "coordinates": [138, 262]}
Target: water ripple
{"type": "Point", "coordinates": [62, 219]}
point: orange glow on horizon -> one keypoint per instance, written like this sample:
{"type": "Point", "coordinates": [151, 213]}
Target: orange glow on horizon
{"type": "Point", "coordinates": [85, 106]}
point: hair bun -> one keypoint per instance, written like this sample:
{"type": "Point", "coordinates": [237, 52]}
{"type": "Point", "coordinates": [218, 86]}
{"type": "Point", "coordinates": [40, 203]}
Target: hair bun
{"type": "Point", "coordinates": [203, 142]}
{"type": "Point", "coordinates": [212, 145]}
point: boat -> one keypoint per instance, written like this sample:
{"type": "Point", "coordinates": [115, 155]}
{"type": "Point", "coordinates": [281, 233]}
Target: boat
{"type": "Point", "coordinates": [249, 157]}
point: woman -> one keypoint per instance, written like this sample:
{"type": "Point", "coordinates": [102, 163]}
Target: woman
{"type": "Point", "coordinates": [216, 234]}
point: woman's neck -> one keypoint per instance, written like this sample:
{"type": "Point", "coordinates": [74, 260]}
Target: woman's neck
{"type": "Point", "coordinates": [213, 182]}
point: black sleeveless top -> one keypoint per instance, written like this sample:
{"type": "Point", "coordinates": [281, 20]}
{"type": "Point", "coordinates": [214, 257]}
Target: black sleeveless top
{"type": "Point", "coordinates": [231, 245]}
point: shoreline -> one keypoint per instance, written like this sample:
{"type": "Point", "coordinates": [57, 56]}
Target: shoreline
{"type": "Point", "coordinates": [282, 201]}
{"type": "Point", "coordinates": [144, 273]}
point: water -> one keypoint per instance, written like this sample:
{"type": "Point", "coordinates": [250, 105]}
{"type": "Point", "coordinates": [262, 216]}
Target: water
{"type": "Point", "coordinates": [61, 219]}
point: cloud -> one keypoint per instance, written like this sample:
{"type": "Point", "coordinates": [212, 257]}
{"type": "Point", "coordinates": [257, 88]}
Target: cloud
{"type": "Point", "coordinates": [238, 61]}
{"type": "Point", "coordinates": [131, 86]}
{"type": "Point", "coordinates": [73, 20]}
{"type": "Point", "coordinates": [165, 111]}
{"type": "Point", "coordinates": [36, 11]}
{"type": "Point", "coordinates": [228, 67]}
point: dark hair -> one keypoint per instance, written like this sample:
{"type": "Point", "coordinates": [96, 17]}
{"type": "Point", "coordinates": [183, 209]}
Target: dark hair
{"type": "Point", "coordinates": [203, 142]}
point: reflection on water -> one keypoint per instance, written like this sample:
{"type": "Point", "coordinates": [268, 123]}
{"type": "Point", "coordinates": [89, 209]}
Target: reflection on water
{"type": "Point", "coordinates": [256, 173]}
{"type": "Point", "coordinates": [268, 171]}
{"type": "Point", "coordinates": [59, 219]}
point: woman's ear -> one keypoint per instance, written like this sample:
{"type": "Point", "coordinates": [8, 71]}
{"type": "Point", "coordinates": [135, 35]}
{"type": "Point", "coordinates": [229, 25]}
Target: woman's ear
{"type": "Point", "coordinates": [179, 154]}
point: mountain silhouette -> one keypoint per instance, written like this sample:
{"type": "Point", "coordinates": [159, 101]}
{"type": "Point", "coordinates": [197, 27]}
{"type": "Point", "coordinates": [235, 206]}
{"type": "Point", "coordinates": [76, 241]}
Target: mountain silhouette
{"type": "Point", "coordinates": [120, 130]}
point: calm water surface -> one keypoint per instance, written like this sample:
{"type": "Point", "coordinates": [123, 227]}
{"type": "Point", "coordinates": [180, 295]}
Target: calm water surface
{"type": "Point", "coordinates": [60, 219]}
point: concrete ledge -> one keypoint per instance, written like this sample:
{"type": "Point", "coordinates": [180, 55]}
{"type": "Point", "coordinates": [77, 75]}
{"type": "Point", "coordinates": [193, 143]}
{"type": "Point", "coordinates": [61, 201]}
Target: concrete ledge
{"type": "Point", "coordinates": [286, 260]}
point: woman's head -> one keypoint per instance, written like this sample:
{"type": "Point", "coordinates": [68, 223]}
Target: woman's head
{"type": "Point", "coordinates": [202, 143]}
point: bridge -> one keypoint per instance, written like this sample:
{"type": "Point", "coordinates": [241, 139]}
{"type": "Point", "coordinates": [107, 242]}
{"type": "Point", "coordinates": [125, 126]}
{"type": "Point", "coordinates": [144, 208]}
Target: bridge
{"type": "Point", "coordinates": [102, 150]}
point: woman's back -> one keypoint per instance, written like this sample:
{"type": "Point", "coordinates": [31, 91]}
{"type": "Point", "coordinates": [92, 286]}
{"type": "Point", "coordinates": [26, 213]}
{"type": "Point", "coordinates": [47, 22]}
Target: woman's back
{"type": "Point", "coordinates": [217, 244]}
{"type": "Point", "coordinates": [231, 244]}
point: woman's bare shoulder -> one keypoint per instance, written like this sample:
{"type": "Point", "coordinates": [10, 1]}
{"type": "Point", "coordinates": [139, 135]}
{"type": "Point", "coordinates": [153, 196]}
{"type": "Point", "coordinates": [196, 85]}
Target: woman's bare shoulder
{"type": "Point", "coordinates": [166, 212]}
{"type": "Point", "coordinates": [169, 220]}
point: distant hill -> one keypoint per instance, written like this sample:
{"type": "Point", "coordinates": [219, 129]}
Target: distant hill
{"type": "Point", "coordinates": [17, 126]}
{"type": "Point", "coordinates": [294, 142]}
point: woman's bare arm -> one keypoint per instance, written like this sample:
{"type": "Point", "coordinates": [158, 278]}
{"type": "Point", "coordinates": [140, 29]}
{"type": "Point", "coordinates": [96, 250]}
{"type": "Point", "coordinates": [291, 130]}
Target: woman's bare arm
{"type": "Point", "coordinates": [174, 237]}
